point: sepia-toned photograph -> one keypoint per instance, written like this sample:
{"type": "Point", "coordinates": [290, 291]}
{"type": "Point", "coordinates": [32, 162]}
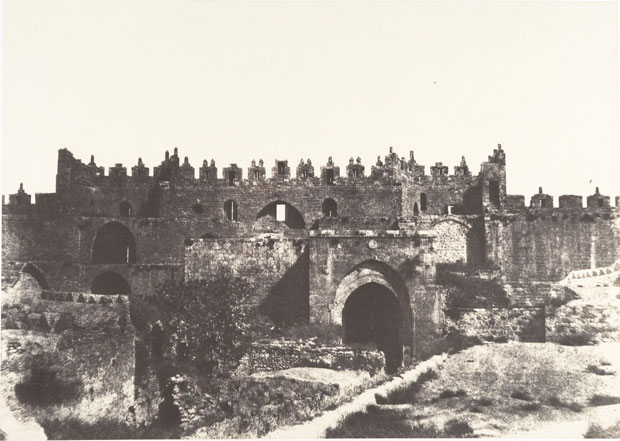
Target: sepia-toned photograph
{"type": "Point", "coordinates": [310, 219]}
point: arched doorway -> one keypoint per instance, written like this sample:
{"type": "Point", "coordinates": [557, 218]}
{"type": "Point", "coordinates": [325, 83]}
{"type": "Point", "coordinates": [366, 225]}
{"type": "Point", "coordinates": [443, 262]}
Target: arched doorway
{"type": "Point", "coordinates": [110, 283]}
{"type": "Point", "coordinates": [371, 314]}
{"type": "Point", "coordinates": [369, 282]}
{"type": "Point", "coordinates": [114, 243]}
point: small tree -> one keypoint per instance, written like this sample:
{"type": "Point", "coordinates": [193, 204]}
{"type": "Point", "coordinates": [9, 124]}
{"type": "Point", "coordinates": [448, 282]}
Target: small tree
{"type": "Point", "coordinates": [208, 320]}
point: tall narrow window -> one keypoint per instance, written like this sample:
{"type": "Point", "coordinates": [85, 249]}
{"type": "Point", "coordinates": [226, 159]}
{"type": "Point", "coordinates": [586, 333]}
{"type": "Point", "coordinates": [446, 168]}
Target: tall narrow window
{"type": "Point", "coordinates": [416, 211]}
{"type": "Point", "coordinates": [423, 201]}
{"type": "Point", "coordinates": [494, 193]}
{"type": "Point", "coordinates": [231, 178]}
{"type": "Point", "coordinates": [281, 213]}
{"type": "Point", "coordinates": [230, 207]}
{"type": "Point", "coordinates": [281, 167]}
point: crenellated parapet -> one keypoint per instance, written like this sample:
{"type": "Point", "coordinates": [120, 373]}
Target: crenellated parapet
{"type": "Point", "coordinates": [208, 171]}
{"type": "Point", "coordinates": [566, 202]}
{"type": "Point", "coordinates": [139, 171]}
{"type": "Point", "coordinates": [355, 169]}
{"type": "Point", "coordinates": [330, 173]}
{"type": "Point", "coordinates": [21, 198]}
{"type": "Point", "coordinates": [305, 170]}
{"type": "Point", "coordinates": [597, 200]}
{"type": "Point", "coordinates": [541, 200]}
{"type": "Point", "coordinates": [256, 172]}
{"type": "Point", "coordinates": [280, 171]}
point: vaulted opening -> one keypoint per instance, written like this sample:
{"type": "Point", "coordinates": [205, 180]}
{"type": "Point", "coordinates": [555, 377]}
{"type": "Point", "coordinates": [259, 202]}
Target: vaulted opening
{"type": "Point", "coordinates": [110, 283]}
{"type": "Point", "coordinates": [114, 243]}
{"type": "Point", "coordinates": [371, 314]}
{"type": "Point", "coordinates": [416, 210]}
{"type": "Point", "coordinates": [231, 178]}
{"type": "Point", "coordinates": [283, 212]}
{"type": "Point", "coordinates": [329, 208]}
{"type": "Point", "coordinates": [281, 167]}
{"type": "Point", "coordinates": [230, 208]}
{"type": "Point", "coordinates": [124, 209]}
{"type": "Point", "coordinates": [37, 274]}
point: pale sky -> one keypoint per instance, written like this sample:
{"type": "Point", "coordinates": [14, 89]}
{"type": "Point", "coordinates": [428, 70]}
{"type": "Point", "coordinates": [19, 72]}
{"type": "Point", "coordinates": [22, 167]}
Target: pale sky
{"type": "Point", "coordinates": [235, 81]}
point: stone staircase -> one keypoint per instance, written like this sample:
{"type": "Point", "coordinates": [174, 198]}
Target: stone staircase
{"type": "Point", "coordinates": [595, 315]}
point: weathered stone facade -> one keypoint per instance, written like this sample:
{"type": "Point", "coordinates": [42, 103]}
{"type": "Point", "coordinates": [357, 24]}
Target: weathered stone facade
{"type": "Point", "coordinates": [306, 243]}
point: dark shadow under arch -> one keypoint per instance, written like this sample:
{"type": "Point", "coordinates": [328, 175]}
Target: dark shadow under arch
{"type": "Point", "coordinates": [293, 218]}
{"type": "Point", "coordinates": [329, 208]}
{"type": "Point", "coordinates": [371, 314]}
{"type": "Point", "coordinates": [110, 282]}
{"type": "Point", "coordinates": [36, 273]}
{"type": "Point", "coordinates": [114, 243]}
{"type": "Point", "coordinates": [124, 209]}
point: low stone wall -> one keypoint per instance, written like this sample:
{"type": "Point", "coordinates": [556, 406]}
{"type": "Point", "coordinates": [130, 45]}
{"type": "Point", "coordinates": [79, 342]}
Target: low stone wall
{"type": "Point", "coordinates": [497, 324]}
{"type": "Point", "coordinates": [279, 355]}
{"type": "Point", "coordinates": [581, 322]}
{"type": "Point", "coordinates": [64, 360]}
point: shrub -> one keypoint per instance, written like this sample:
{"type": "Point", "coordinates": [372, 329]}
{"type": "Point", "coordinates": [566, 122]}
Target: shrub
{"type": "Point", "coordinates": [603, 400]}
{"type": "Point", "coordinates": [208, 321]}
{"type": "Point", "coordinates": [530, 407]}
{"type": "Point", "coordinates": [455, 342]}
{"type": "Point", "coordinates": [578, 339]}
{"type": "Point", "coordinates": [597, 431]}
{"type": "Point", "coordinates": [43, 387]}
{"type": "Point", "coordinates": [484, 402]}
{"type": "Point", "coordinates": [455, 428]}
{"type": "Point", "coordinates": [593, 369]}
{"type": "Point", "coordinates": [407, 394]}
{"type": "Point", "coordinates": [327, 334]}
{"type": "Point", "coordinates": [451, 394]}
{"type": "Point", "coordinates": [557, 403]}
{"type": "Point", "coordinates": [105, 428]}
{"type": "Point", "coordinates": [521, 395]}
{"type": "Point", "coordinates": [377, 425]}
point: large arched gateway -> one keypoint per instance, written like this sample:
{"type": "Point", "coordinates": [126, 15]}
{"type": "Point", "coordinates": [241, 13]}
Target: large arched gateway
{"type": "Point", "coordinates": [372, 304]}
{"type": "Point", "coordinates": [371, 314]}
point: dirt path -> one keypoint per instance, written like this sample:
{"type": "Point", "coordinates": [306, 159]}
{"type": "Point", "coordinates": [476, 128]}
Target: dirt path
{"type": "Point", "coordinates": [509, 390]}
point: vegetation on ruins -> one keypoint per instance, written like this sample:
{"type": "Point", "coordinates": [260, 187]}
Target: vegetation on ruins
{"type": "Point", "coordinates": [207, 321]}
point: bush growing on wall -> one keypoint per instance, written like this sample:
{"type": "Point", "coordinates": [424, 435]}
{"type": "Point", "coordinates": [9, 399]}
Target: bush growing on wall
{"type": "Point", "coordinates": [208, 321]}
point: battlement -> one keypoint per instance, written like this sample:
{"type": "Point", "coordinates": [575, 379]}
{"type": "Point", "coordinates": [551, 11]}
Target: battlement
{"type": "Point", "coordinates": [73, 172]}
{"type": "Point", "coordinates": [542, 201]}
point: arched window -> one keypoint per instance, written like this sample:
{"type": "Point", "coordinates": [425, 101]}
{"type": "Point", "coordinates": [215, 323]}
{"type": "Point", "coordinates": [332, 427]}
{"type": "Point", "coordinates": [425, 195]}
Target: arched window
{"type": "Point", "coordinates": [423, 201]}
{"type": "Point", "coordinates": [124, 209]}
{"type": "Point", "coordinates": [110, 283]}
{"type": "Point", "coordinates": [283, 212]}
{"type": "Point", "coordinates": [416, 211]}
{"type": "Point", "coordinates": [230, 208]}
{"type": "Point", "coordinates": [114, 243]}
{"type": "Point", "coordinates": [329, 208]}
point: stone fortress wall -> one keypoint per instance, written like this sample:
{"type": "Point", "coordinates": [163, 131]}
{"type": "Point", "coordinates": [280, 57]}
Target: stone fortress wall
{"type": "Point", "coordinates": [306, 237]}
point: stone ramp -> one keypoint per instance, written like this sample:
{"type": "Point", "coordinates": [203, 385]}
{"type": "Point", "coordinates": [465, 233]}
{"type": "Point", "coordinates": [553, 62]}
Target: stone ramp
{"type": "Point", "coordinates": [317, 427]}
